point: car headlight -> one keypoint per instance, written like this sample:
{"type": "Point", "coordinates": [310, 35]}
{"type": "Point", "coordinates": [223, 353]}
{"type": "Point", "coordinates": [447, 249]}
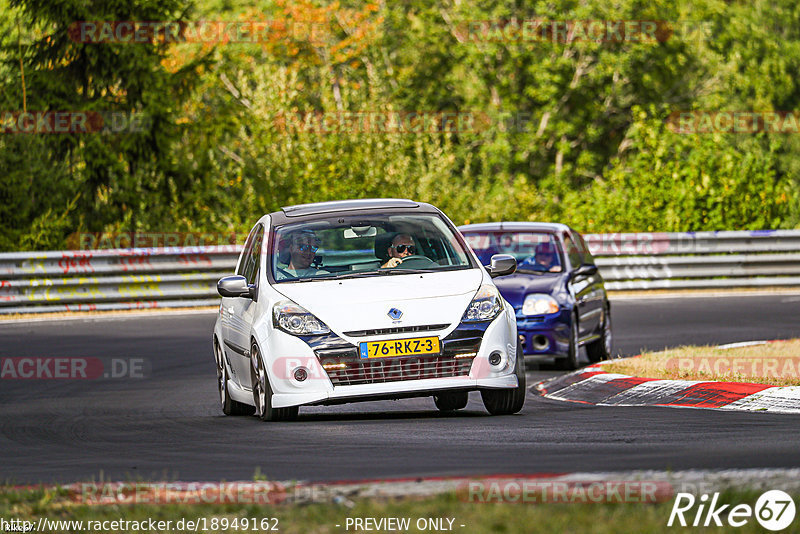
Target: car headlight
{"type": "Point", "coordinates": [296, 320]}
{"type": "Point", "coordinates": [486, 305]}
{"type": "Point", "coordinates": [539, 304]}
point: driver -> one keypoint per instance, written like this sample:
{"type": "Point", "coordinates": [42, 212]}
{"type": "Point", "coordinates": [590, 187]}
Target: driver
{"type": "Point", "coordinates": [303, 246]}
{"type": "Point", "coordinates": [402, 247]}
{"type": "Point", "coordinates": [546, 258]}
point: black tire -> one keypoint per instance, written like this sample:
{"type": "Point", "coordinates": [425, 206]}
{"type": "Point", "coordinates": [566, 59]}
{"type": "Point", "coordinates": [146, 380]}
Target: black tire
{"type": "Point", "coordinates": [601, 349]}
{"type": "Point", "coordinates": [570, 363]}
{"type": "Point", "coordinates": [262, 392]}
{"type": "Point", "coordinates": [508, 401]}
{"type": "Point", "coordinates": [229, 406]}
{"type": "Point", "coordinates": [451, 401]}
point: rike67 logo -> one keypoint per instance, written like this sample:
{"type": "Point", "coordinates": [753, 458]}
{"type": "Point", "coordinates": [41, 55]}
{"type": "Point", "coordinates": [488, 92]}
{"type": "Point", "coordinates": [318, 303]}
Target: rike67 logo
{"type": "Point", "coordinates": [774, 510]}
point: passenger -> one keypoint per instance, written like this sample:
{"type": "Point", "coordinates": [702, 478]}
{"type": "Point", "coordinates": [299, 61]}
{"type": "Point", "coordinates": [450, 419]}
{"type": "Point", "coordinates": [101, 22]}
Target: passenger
{"type": "Point", "coordinates": [402, 247]}
{"type": "Point", "coordinates": [303, 246]}
{"type": "Point", "coordinates": [508, 246]}
{"type": "Point", "coordinates": [546, 258]}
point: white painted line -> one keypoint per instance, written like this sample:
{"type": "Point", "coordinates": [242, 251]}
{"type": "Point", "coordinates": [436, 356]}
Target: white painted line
{"type": "Point", "coordinates": [649, 393]}
{"type": "Point", "coordinates": [564, 394]}
{"type": "Point", "coordinates": [774, 400]}
{"type": "Point", "coordinates": [742, 344]}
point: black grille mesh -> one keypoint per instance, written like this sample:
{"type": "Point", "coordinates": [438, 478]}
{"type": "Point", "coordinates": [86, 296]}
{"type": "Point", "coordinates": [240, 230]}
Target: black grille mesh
{"type": "Point", "coordinates": [347, 368]}
{"type": "Point", "coordinates": [396, 330]}
{"type": "Point", "coordinates": [380, 370]}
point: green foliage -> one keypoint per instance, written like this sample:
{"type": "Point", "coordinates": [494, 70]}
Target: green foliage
{"type": "Point", "coordinates": [675, 182]}
{"type": "Point", "coordinates": [573, 132]}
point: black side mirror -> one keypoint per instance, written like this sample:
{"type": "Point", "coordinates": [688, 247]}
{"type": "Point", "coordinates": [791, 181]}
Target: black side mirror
{"type": "Point", "coordinates": [502, 264]}
{"type": "Point", "coordinates": [235, 286]}
{"type": "Point", "coordinates": [584, 270]}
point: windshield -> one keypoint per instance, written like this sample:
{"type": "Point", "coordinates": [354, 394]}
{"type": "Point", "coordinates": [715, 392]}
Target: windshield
{"type": "Point", "coordinates": [537, 252]}
{"type": "Point", "coordinates": [353, 247]}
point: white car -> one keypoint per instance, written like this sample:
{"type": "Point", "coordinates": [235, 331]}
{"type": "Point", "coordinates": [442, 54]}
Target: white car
{"type": "Point", "coordinates": [363, 300]}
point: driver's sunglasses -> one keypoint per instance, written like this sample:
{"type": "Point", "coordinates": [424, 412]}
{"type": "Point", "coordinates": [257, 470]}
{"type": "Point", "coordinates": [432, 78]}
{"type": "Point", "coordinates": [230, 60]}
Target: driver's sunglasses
{"type": "Point", "coordinates": [306, 248]}
{"type": "Point", "coordinates": [402, 248]}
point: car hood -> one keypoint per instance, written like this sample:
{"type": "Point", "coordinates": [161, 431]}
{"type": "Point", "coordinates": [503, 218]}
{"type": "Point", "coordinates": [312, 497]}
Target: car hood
{"type": "Point", "coordinates": [514, 287]}
{"type": "Point", "coordinates": [364, 303]}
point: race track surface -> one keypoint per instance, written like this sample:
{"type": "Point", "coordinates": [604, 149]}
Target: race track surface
{"type": "Point", "coordinates": [167, 425]}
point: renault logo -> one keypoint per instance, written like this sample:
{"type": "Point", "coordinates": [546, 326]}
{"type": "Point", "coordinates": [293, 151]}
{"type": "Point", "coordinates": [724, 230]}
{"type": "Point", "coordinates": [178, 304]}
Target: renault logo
{"type": "Point", "coordinates": [395, 314]}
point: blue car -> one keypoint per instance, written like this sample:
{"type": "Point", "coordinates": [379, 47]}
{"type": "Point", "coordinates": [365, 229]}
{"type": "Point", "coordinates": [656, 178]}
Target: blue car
{"type": "Point", "coordinates": [557, 292]}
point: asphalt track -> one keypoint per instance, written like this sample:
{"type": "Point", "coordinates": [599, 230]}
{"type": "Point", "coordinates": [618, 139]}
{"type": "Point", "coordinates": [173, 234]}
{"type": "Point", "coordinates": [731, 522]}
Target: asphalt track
{"type": "Point", "coordinates": [167, 425]}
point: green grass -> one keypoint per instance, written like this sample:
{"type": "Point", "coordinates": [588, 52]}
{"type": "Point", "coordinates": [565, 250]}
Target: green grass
{"type": "Point", "coordinates": [776, 363]}
{"type": "Point", "coordinates": [323, 518]}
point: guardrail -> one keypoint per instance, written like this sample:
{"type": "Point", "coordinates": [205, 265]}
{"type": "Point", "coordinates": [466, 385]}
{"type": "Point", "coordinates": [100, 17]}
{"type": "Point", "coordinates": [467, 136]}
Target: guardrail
{"type": "Point", "coordinates": [88, 280]}
{"type": "Point", "coordinates": [698, 260]}
{"type": "Point", "coordinates": [85, 280]}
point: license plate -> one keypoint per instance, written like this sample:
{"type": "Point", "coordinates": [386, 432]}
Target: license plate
{"type": "Point", "coordinates": [399, 347]}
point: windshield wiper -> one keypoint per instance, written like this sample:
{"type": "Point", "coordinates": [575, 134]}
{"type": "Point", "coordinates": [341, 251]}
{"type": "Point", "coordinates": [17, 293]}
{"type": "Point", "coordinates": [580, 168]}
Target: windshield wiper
{"type": "Point", "coordinates": [355, 274]}
{"type": "Point", "coordinates": [298, 280]}
{"type": "Point", "coordinates": [531, 271]}
{"type": "Point", "coordinates": [384, 272]}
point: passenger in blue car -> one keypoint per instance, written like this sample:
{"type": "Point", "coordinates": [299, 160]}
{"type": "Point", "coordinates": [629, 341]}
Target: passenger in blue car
{"type": "Point", "coordinates": [545, 259]}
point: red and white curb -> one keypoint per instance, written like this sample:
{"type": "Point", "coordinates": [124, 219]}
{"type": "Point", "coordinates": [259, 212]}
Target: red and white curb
{"type": "Point", "coordinates": [592, 385]}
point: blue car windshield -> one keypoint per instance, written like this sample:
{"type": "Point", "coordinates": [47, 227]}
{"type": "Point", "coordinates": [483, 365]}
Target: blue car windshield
{"type": "Point", "coordinates": [536, 252]}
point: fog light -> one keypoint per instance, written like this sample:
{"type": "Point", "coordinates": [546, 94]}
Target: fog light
{"type": "Point", "coordinates": [495, 358]}
{"type": "Point", "coordinates": [540, 343]}
{"type": "Point", "coordinates": [300, 374]}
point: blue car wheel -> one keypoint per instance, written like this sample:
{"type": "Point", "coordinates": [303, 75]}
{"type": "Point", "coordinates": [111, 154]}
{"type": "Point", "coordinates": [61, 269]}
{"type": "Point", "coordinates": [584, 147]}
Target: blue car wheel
{"type": "Point", "coordinates": [571, 361]}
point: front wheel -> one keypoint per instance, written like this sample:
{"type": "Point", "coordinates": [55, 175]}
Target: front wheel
{"type": "Point", "coordinates": [508, 401]}
{"type": "Point", "coordinates": [601, 349]}
{"type": "Point", "coordinates": [262, 392]}
{"type": "Point", "coordinates": [450, 402]}
{"type": "Point", "coordinates": [229, 406]}
{"type": "Point", "coordinates": [570, 363]}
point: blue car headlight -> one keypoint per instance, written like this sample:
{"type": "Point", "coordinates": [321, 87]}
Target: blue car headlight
{"type": "Point", "coordinates": [486, 305]}
{"type": "Point", "coordinates": [539, 304]}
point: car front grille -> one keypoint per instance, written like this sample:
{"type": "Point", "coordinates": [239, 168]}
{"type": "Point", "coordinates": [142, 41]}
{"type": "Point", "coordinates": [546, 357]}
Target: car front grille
{"type": "Point", "coordinates": [396, 330]}
{"type": "Point", "coordinates": [345, 367]}
{"type": "Point", "coordinates": [381, 370]}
